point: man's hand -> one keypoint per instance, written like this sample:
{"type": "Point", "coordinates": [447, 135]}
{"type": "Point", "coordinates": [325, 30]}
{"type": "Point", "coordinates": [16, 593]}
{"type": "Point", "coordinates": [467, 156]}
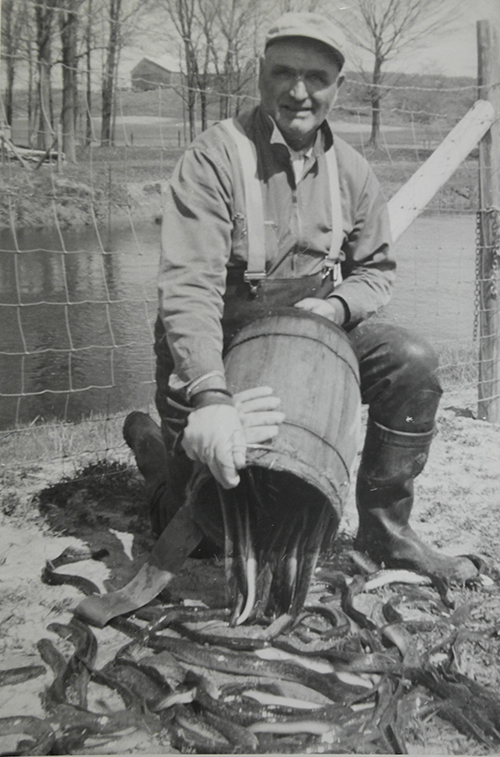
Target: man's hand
{"type": "Point", "coordinates": [214, 436]}
{"type": "Point", "coordinates": [259, 414]}
{"type": "Point", "coordinates": [332, 309]}
{"type": "Point", "coordinates": [217, 435]}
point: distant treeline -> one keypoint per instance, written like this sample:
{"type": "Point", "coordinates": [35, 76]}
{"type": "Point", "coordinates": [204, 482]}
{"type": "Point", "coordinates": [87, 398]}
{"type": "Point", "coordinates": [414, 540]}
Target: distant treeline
{"type": "Point", "coordinates": [422, 98]}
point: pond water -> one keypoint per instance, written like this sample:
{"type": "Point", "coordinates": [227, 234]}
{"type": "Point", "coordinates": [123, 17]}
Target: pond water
{"type": "Point", "coordinates": [77, 310]}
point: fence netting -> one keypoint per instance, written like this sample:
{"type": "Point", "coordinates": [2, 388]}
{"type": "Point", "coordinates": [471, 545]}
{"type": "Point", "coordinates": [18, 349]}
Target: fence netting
{"type": "Point", "coordinates": [79, 254]}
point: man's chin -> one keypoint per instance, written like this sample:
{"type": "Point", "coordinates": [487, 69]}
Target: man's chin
{"type": "Point", "coordinates": [297, 130]}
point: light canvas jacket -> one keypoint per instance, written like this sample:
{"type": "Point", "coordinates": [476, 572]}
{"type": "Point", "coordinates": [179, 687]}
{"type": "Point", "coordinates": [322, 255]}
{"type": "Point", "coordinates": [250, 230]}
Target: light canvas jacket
{"type": "Point", "coordinates": [204, 234]}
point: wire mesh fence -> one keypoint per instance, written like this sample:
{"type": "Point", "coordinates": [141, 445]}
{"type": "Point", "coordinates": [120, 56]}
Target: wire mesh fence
{"type": "Point", "coordinates": [79, 249]}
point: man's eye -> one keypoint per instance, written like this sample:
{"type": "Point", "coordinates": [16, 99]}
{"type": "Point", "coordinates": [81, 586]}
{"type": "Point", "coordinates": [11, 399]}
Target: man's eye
{"type": "Point", "coordinates": [284, 73]}
{"type": "Point", "coordinates": [316, 80]}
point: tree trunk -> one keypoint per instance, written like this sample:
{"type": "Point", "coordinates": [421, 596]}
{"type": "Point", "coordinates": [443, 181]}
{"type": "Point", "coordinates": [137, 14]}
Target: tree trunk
{"type": "Point", "coordinates": [88, 104]}
{"type": "Point", "coordinates": [113, 102]}
{"type": "Point", "coordinates": [31, 108]}
{"type": "Point", "coordinates": [9, 93]}
{"type": "Point", "coordinates": [13, 22]}
{"type": "Point", "coordinates": [68, 21]}
{"type": "Point", "coordinates": [43, 14]}
{"type": "Point", "coordinates": [192, 114]}
{"type": "Point", "coordinates": [192, 78]}
{"type": "Point", "coordinates": [203, 108]}
{"type": "Point", "coordinates": [375, 96]}
{"type": "Point", "coordinates": [375, 131]}
{"type": "Point", "coordinates": [108, 78]}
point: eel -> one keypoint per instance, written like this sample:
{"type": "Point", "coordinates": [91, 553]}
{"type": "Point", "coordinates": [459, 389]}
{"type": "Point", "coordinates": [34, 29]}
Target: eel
{"type": "Point", "coordinates": [41, 736]}
{"type": "Point", "coordinates": [196, 733]}
{"type": "Point", "coordinates": [247, 664]}
{"type": "Point", "coordinates": [144, 687]}
{"type": "Point", "coordinates": [73, 682]}
{"type": "Point", "coordinates": [51, 577]}
{"type": "Point", "coordinates": [166, 668]}
{"type": "Point", "coordinates": [20, 675]}
{"type": "Point", "coordinates": [472, 708]}
{"type": "Point", "coordinates": [241, 738]}
{"type": "Point", "coordinates": [77, 554]}
{"type": "Point", "coordinates": [71, 555]}
{"type": "Point", "coordinates": [53, 658]}
{"type": "Point", "coordinates": [244, 642]}
{"type": "Point", "coordinates": [168, 615]}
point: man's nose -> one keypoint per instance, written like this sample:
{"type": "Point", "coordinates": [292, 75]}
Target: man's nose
{"type": "Point", "coordinates": [299, 89]}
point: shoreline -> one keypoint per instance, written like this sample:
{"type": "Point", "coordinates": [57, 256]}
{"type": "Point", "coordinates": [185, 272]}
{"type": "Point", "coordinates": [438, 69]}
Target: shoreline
{"type": "Point", "coordinates": [123, 186]}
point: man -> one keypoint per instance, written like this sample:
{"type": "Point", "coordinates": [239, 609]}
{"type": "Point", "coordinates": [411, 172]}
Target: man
{"type": "Point", "coordinates": [206, 293]}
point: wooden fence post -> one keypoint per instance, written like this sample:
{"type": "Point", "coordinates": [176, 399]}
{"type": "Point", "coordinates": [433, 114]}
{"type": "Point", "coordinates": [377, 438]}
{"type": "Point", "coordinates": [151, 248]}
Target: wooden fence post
{"type": "Point", "coordinates": [488, 267]}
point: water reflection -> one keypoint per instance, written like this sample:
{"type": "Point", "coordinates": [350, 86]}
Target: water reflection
{"type": "Point", "coordinates": [76, 322]}
{"type": "Point", "coordinates": [77, 313]}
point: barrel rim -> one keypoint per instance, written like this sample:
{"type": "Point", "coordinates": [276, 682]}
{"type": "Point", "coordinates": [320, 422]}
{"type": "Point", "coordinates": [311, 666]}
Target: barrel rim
{"type": "Point", "coordinates": [293, 312]}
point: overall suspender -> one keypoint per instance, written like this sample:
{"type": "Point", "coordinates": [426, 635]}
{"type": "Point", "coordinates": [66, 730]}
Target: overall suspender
{"type": "Point", "coordinates": [256, 266]}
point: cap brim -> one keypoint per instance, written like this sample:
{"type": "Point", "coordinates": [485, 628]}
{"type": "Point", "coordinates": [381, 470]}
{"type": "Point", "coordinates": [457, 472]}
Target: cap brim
{"type": "Point", "coordinates": [316, 37]}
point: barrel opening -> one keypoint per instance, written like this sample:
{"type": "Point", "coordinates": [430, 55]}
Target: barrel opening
{"type": "Point", "coordinates": [273, 526]}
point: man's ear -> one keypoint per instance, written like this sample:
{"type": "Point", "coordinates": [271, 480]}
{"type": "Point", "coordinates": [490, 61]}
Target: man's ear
{"type": "Point", "coordinates": [261, 68]}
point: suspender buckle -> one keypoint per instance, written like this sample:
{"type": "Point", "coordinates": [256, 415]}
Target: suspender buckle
{"type": "Point", "coordinates": [333, 271]}
{"type": "Point", "coordinates": [252, 278]}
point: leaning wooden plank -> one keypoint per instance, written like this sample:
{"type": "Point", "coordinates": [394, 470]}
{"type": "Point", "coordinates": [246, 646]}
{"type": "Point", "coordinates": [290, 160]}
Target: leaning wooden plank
{"type": "Point", "coordinates": [413, 197]}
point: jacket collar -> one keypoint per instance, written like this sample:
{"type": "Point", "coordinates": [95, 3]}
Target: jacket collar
{"type": "Point", "coordinates": [324, 136]}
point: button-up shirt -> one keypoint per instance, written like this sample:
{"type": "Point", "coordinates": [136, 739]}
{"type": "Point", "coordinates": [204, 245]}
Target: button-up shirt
{"type": "Point", "coordinates": [204, 234]}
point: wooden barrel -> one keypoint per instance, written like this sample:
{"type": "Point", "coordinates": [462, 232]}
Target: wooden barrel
{"type": "Point", "coordinates": [310, 364]}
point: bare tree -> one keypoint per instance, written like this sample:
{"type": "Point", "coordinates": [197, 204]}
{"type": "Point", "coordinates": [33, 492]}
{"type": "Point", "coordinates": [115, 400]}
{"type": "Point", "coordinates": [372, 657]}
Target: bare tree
{"type": "Point", "coordinates": [386, 29]}
{"type": "Point", "coordinates": [207, 13]}
{"type": "Point", "coordinates": [108, 76]}
{"type": "Point", "coordinates": [293, 6]}
{"type": "Point", "coordinates": [123, 17]}
{"type": "Point", "coordinates": [184, 15]}
{"type": "Point", "coordinates": [13, 24]}
{"type": "Point", "coordinates": [236, 48]}
{"type": "Point", "coordinates": [44, 17]}
{"type": "Point", "coordinates": [68, 25]}
{"type": "Point", "coordinates": [88, 72]}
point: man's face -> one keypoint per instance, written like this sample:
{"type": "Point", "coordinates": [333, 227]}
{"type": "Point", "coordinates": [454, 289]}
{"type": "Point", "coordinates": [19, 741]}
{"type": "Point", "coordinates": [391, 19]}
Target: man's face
{"type": "Point", "coordinates": [298, 84]}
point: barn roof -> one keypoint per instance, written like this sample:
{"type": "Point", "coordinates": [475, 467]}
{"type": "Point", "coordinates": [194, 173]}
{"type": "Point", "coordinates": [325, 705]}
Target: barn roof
{"type": "Point", "coordinates": [166, 62]}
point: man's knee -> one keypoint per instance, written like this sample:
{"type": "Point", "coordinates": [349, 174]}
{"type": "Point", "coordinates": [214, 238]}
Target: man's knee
{"type": "Point", "coordinates": [399, 376]}
{"type": "Point", "coordinates": [414, 356]}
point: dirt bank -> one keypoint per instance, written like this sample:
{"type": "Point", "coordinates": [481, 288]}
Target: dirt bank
{"type": "Point", "coordinates": [114, 183]}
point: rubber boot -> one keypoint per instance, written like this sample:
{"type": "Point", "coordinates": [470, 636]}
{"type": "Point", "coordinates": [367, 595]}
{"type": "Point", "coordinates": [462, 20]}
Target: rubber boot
{"type": "Point", "coordinates": [384, 498]}
{"type": "Point", "coordinates": [145, 439]}
{"type": "Point", "coordinates": [166, 474]}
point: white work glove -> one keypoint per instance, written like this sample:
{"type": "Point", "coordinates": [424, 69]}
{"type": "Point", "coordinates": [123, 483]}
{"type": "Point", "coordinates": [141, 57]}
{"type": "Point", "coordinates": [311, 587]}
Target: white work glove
{"type": "Point", "coordinates": [214, 436]}
{"type": "Point", "coordinates": [217, 435]}
{"type": "Point", "coordinates": [258, 413]}
{"type": "Point", "coordinates": [332, 309]}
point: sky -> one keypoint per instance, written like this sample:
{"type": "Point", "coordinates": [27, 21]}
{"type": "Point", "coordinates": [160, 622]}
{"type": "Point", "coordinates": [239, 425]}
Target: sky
{"type": "Point", "coordinates": [453, 53]}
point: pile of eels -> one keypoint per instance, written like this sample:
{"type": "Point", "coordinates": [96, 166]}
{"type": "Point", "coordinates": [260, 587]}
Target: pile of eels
{"type": "Point", "coordinates": [348, 673]}
{"type": "Point", "coordinates": [272, 542]}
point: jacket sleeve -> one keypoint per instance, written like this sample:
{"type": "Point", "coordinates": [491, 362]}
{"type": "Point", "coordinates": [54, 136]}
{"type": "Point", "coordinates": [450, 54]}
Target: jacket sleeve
{"type": "Point", "coordinates": [368, 268]}
{"type": "Point", "coordinates": [195, 247]}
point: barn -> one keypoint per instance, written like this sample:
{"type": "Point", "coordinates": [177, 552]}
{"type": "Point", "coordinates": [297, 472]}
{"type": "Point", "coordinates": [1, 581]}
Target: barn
{"type": "Point", "coordinates": [152, 73]}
